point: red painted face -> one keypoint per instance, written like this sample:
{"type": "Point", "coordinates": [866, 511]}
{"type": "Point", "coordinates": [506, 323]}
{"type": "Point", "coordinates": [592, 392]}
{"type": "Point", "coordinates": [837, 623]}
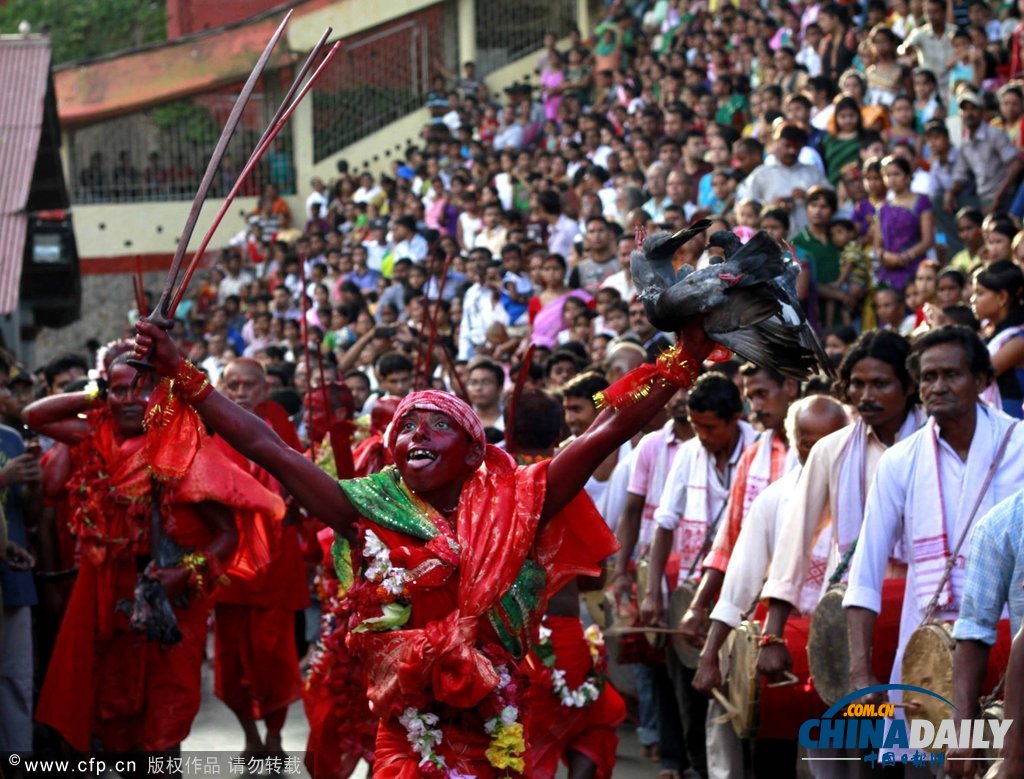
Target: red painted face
{"type": "Point", "coordinates": [432, 452]}
{"type": "Point", "coordinates": [321, 418]}
{"type": "Point", "coordinates": [127, 403]}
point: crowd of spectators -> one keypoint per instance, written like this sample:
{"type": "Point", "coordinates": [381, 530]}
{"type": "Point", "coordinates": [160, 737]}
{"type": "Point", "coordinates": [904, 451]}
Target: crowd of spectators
{"type": "Point", "coordinates": [882, 142]}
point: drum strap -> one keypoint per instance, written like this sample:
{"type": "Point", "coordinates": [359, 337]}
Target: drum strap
{"type": "Point", "coordinates": [844, 563]}
{"type": "Point", "coordinates": [709, 537]}
{"type": "Point", "coordinates": [951, 560]}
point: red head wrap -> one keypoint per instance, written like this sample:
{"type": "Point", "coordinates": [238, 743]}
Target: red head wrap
{"type": "Point", "coordinates": [460, 412]}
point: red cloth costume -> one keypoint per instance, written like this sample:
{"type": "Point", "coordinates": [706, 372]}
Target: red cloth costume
{"type": "Point", "coordinates": [475, 594]}
{"type": "Point", "coordinates": [341, 728]}
{"type": "Point", "coordinates": [105, 679]}
{"type": "Point", "coordinates": [256, 668]}
{"type": "Point", "coordinates": [554, 728]}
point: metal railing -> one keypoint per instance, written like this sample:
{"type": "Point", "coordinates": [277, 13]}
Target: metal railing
{"type": "Point", "coordinates": [161, 153]}
{"type": "Point", "coordinates": [509, 29]}
{"type": "Point", "coordinates": [376, 79]}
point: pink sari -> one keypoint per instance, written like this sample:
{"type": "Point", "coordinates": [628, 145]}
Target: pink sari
{"type": "Point", "coordinates": [548, 322]}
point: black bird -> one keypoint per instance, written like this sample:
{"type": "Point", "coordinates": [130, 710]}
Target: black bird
{"type": "Point", "coordinates": [747, 298]}
{"type": "Point", "coordinates": [653, 260]}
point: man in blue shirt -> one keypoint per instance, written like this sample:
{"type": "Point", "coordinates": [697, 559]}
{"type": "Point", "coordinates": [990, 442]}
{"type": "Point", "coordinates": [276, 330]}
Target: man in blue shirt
{"type": "Point", "coordinates": [992, 582]}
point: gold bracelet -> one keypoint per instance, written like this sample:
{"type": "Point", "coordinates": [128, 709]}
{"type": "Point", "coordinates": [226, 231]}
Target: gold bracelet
{"type": "Point", "coordinates": [194, 563]}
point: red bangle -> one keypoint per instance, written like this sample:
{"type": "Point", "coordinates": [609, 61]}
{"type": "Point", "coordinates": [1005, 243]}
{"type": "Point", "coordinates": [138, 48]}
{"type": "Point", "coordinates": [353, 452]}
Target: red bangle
{"type": "Point", "coordinates": [770, 638]}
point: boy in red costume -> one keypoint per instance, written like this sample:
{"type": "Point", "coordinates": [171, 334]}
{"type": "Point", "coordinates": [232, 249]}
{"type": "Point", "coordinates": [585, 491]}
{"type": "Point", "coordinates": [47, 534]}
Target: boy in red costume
{"type": "Point", "coordinates": [105, 679]}
{"type": "Point", "coordinates": [573, 712]}
{"type": "Point", "coordinates": [460, 550]}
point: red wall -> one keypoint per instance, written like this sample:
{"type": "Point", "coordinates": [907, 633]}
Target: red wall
{"type": "Point", "coordinates": [187, 16]}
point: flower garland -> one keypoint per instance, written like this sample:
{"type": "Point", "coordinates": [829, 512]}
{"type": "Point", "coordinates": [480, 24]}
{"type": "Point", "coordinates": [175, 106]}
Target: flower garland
{"type": "Point", "coordinates": [390, 581]}
{"type": "Point", "coordinates": [592, 687]}
{"type": "Point", "coordinates": [506, 751]}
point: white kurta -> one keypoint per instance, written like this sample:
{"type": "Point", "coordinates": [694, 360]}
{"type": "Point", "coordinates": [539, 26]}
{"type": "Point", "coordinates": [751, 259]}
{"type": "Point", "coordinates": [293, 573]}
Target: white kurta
{"type": "Point", "coordinates": [893, 505]}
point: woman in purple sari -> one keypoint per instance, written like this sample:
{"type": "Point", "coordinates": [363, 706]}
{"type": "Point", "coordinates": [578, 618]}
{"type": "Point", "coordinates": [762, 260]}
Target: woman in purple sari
{"type": "Point", "coordinates": [905, 226]}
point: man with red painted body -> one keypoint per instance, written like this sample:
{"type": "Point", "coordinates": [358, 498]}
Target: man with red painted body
{"type": "Point", "coordinates": [257, 665]}
{"type": "Point", "coordinates": [460, 552]}
{"type": "Point", "coordinates": [106, 682]}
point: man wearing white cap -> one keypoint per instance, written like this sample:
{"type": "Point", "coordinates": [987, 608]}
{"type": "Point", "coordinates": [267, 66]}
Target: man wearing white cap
{"type": "Point", "coordinates": [985, 155]}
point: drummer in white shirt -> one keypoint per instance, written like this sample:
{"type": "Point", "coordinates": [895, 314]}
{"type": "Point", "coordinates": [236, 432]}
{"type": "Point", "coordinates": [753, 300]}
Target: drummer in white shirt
{"type": "Point", "coordinates": [928, 489]}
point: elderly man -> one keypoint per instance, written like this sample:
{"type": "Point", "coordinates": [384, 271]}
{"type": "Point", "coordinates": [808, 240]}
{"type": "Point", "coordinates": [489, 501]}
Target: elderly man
{"type": "Point", "coordinates": [783, 180]}
{"type": "Point", "coordinates": [928, 490]}
{"type": "Point", "coordinates": [256, 672]}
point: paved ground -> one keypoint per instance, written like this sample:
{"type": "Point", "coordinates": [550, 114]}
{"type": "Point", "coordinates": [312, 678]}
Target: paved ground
{"type": "Point", "coordinates": [216, 730]}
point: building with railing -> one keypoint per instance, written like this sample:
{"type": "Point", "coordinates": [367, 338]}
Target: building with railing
{"type": "Point", "coordinates": [139, 126]}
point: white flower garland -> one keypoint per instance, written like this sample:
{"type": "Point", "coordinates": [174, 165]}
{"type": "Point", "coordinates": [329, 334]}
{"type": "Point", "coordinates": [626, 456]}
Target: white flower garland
{"type": "Point", "coordinates": [589, 691]}
{"type": "Point", "coordinates": [380, 570]}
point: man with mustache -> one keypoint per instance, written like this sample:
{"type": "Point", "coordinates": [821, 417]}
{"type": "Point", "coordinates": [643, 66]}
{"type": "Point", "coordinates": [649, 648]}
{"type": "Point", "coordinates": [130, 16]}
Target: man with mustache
{"type": "Point", "coordinates": [766, 460]}
{"type": "Point", "coordinates": [929, 490]}
{"type": "Point", "coordinates": [106, 682]}
{"type": "Point", "coordinates": [825, 514]}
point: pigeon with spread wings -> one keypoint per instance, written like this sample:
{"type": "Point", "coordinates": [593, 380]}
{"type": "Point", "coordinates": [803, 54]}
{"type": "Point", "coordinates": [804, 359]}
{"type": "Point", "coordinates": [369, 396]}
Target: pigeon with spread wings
{"type": "Point", "coordinates": [746, 296]}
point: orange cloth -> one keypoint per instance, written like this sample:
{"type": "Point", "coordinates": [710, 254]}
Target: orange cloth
{"type": "Point", "coordinates": [555, 729]}
{"type": "Point", "coordinates": [105, 679]}
{"type": "Point", "coordinates": [739, 501]}
{"type": "Point", "coordinates": [436, 662]}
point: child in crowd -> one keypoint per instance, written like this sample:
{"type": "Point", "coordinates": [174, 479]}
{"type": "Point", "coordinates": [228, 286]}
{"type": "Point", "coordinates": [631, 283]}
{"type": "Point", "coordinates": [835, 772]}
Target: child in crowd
{"type": "Point", "coordinates": [854, 275]}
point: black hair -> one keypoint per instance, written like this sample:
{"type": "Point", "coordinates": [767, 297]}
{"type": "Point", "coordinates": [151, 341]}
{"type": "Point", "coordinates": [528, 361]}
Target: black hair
{"type": "Point", "coordinates": [958, 276]}
{"type": "Point", "coordinates": [780, 215]}
{"type": "Point", "coordinates": [355, 373]}
{"type": "Point", "coordinates": [882, 345]}
{"type": "Point", "coordinates": [978, 361]}
{"type": "Point", "coordinates": [717, 393]}
{"type": "Point", "coordinates": [585, 385]}
{"type": "Point", "coordinates": [1005, 276]}
{"type": "Point", "coordinates": [549, 201]}
{"type": "Point", "coordinates": [844, 333]}
{"type": "Point", "coordinates": [826, 193]}
{"type": "Point", "coordinates": [393, 362]}
{"type": "Point", "coordinates": [62, 364]}
{"type": "Point", "coordinates": [489, 365]}
{"type": "Point", "coordinates": [752, 369]}
{"type": "Point", "coordinates": [971, 214]}
{"type": "Point", "coordinates": [538, 422]}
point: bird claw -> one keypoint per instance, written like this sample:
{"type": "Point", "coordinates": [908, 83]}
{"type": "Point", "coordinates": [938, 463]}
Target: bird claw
{"type": "Point", "coordinates": [720, 354]}
{"type": "Point", "coordinates": [731, 279]}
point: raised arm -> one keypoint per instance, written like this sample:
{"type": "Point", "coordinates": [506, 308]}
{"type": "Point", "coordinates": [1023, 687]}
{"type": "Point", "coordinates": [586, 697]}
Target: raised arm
{"type": "Point", "coordinates": [317, 492]}
{"type": "Point", "coordinates": [570, 469]}
{"type": "Point", "coordinates": [58, 416]}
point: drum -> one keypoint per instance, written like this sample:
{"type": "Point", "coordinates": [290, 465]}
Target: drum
{"type": "Point", "coordinates": [994, 711]}
{"type": "Point", "coordinates": [738, 662]}
{"type": "Point", "coordinates": [742, 699]}
{"type": "Point", "coordinates": [828, 647]}
{"type": "Point", "coordinates": [643, 577]}
{"type": "Point", "coordinates": [620, 674]}
{"type": "Point", "coordinates": [928, 663]}
{"type": "Point", "coordinates": [682, 597]}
